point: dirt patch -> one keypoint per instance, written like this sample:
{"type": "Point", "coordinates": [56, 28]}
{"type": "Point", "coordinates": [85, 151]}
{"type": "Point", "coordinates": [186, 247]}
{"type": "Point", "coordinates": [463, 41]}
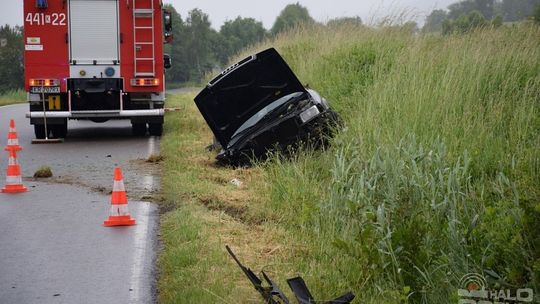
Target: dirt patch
{"type": "Point", "coordinates": [215, 203]}
{"type": "Point", "coordinates": [154, 158]}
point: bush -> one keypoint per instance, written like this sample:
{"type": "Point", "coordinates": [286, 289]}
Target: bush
{"type": "Point", "coordinates": [465, 23]}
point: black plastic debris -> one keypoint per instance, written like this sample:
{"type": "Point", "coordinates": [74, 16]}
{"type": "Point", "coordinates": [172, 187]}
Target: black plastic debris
{"type": "Point", "coordinates": [301, 291]}
{"type": "Point", "coordinates": [271, 294]}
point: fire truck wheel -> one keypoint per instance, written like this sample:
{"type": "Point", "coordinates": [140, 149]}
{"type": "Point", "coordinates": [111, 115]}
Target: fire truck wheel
{"type": "Point", "coordinates": [138, 129]}
{"type": "Point", "coordinates": [155, 129]}
{"type": "Point", "coordinates": [39, 131]}
{"type": "Point", "coordinates": [59, 131]}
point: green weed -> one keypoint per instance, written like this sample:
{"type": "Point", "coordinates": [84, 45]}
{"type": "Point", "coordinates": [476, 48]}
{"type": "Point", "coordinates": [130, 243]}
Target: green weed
{"type": "Point", "coordinates": [12, 97]}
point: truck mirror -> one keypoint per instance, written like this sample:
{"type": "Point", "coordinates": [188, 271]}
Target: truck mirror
{"type": "Point", "coordinates": [167, 61]}
{"type": "Point", "coordinates": [167, 25]}
{"type": "Point", "coordinates": [167, 21]}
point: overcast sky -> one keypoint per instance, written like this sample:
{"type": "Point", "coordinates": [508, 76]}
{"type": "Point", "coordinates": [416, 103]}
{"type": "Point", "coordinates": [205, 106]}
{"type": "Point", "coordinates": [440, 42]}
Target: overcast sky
{"type": "Point", "coordinates": [267, 10]}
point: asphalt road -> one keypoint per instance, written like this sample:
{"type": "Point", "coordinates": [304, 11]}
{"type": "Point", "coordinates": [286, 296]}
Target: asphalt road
{"type": "Point", "coordinates": [53, 246]}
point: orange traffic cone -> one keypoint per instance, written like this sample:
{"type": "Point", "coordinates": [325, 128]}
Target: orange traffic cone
{"type": "Point", "coordinates": [13, 179]}
{"type": "Point", "coordinates": [119, 215]}
{"type": "Point", "coordinates": [13, 141]}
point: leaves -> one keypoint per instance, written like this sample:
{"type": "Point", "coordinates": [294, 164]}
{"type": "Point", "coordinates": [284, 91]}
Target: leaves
{"type": "Point", "coordinates": [11, 58]}
{"type": "Point", "coordinates": [291, 16]}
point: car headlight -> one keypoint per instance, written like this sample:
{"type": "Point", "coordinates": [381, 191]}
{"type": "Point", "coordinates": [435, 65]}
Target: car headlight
{"type": "Point", "coordinates": [325, 103]}
{"type": "Point", "coordinates": [309, 114]}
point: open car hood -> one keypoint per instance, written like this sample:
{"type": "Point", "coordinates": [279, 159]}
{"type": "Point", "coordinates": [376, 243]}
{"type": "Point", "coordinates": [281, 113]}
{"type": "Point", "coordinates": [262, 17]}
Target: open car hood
{"type": "Point", "coordinates": [244, 89]}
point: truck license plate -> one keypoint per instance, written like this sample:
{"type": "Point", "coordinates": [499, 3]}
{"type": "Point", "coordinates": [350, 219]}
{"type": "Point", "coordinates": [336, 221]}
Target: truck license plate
{"type": "Point", "coordinates": [44, 89]}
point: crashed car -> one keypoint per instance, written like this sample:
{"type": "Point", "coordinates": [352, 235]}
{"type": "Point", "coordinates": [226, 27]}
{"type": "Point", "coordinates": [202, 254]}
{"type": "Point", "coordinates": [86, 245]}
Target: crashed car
{"type": "Point", "coordinates": [258, 105]}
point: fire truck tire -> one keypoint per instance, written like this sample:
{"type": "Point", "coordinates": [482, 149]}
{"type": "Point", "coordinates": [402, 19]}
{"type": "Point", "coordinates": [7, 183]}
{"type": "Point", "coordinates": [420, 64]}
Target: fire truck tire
{"type": "Point", "coordinates": [59, 131]}
{"type": "Point", "coordinates": [138, 129]}
{"type": "Point", "coordinates": [39, 131]}
{"type": "Point", "coordinates": [155, 129]}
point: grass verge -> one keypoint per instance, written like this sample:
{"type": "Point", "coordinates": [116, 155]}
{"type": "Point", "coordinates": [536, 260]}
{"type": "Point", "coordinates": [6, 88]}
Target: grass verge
{"type": "Point", "coordinates": [436, 175]}
{"type": "Point", "coordinates": [12, 97]}
{"type": "Point", "coordinates": [204, 211]}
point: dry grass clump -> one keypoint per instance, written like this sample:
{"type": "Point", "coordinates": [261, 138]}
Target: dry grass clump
{"type": "Point", "coordinates": [43, 172]}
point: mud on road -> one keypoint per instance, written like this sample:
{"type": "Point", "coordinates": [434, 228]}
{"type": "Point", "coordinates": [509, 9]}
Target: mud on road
{"type": "Point", "coordinates": [54, 246]}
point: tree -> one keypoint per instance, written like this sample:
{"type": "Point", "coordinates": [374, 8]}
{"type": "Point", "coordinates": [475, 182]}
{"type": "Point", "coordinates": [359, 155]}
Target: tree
{"type": "Point", "coordinates": [485, 7]}
{"type": "Point", "coordinates": [455, 10]}
{"type": "Point", "coordinates": [410, 26]}
{"type": "Point", "coordinates": [291, 16]}
{"type": "Point", "coordinates": [180, 71]}
{"type": "Point", "coordinates": [465, 23]}
{"type": "Point", "coordinates": [515, 10]}
{"type": "Point", "coordinates": [497, 21]}
{"type": "Point", "coordinates": [238, 34]}
{"type": "Point", "coordinates": [447, 27]}
{"type": "Point", "coordinates": [11, 58]}
{"type": "Point", "coordinates": [435, 21]}
{"type": "Point", "coordinates": [536, 15]}
{"type": "Point", "coordinates": [351, 21]}
{"type": "Point", "coordinates": [199, 36]}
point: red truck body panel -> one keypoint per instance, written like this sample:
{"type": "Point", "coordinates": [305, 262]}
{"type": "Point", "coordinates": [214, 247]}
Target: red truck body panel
{"type": "Point", "coordinates": [47, 42]}
{"type": "Point", "coordinates": [46, 54]}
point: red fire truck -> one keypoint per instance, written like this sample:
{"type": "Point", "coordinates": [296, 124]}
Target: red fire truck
{"type": "Point", "coordinates": [95, 60]}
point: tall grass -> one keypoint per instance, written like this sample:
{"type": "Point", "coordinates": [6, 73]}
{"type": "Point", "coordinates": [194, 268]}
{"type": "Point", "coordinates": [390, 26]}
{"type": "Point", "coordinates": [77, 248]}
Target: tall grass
{"type": "Point", "coordinates": [437, 172]}
{"type": "Point", "coordinates": [12, 97]}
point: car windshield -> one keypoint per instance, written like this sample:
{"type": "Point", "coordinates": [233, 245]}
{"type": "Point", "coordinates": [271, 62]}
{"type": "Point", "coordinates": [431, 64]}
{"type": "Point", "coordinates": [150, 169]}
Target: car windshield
{"type": "Point", "coordinates": [253, 120]}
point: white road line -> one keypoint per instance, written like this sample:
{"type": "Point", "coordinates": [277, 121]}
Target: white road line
{"type": "Point", "coordinates": [141, 233]}
{"type": "Point", "coordinates": [151, 146]}
{"type": "Point", "coordinates": [139, 256]}
{"type": "Point", "coordinates": [11, 105]}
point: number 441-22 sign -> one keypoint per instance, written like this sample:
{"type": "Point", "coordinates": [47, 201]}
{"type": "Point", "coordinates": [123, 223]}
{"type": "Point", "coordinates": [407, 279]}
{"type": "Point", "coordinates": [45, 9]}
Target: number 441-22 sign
{"type": "Point", "coordinates": [46, 19]}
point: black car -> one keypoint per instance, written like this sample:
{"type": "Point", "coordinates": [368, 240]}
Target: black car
{"type": "Point", "coordinates": [258, 105]}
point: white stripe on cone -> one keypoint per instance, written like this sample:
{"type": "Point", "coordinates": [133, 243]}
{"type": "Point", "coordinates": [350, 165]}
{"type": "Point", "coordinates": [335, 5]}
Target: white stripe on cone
{"type": "Point", "coordinates": [13, 142]}
{"type": "Point", "coordinates": [13, 180]}
{"type": "Point", "coordinates": [118, 186]}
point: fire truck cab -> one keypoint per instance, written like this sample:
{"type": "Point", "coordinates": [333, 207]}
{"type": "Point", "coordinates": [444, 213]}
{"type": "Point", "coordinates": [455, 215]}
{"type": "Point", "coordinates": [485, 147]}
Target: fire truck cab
{"type": "Point", "coordinates": [95, 60]}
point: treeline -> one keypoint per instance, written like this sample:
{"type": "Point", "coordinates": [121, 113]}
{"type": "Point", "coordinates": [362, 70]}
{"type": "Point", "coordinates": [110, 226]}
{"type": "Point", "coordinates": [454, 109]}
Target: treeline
{"type": "Point", "coordinates": [198, 49]}
{"type": "Point", "coordinates": [469, 14]}
{"type": "Point", "coordinates": [11, 58]}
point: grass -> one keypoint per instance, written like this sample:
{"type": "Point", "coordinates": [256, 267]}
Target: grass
{"type": "Point", "coordinates": [43, 172]}
{"type": "Point", "coordinates": [204, 212]}
{"type": "Point", "coordinates": [436, 175]}
{"type": "Point", "coordinates": [12, 97]}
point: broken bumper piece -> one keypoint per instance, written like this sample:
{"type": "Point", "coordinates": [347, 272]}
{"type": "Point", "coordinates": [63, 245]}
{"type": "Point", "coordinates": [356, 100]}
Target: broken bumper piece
{"type": "Point", "coordinates": [273, 295]}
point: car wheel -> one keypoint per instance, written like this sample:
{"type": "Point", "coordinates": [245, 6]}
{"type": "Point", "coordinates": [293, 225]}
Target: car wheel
{"type": "Point", "coordinates": [138, 129]}
{"type": "Point", "coordinates": [155, 129]}
{"type": "Point", "coordinates": [39, 131]}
